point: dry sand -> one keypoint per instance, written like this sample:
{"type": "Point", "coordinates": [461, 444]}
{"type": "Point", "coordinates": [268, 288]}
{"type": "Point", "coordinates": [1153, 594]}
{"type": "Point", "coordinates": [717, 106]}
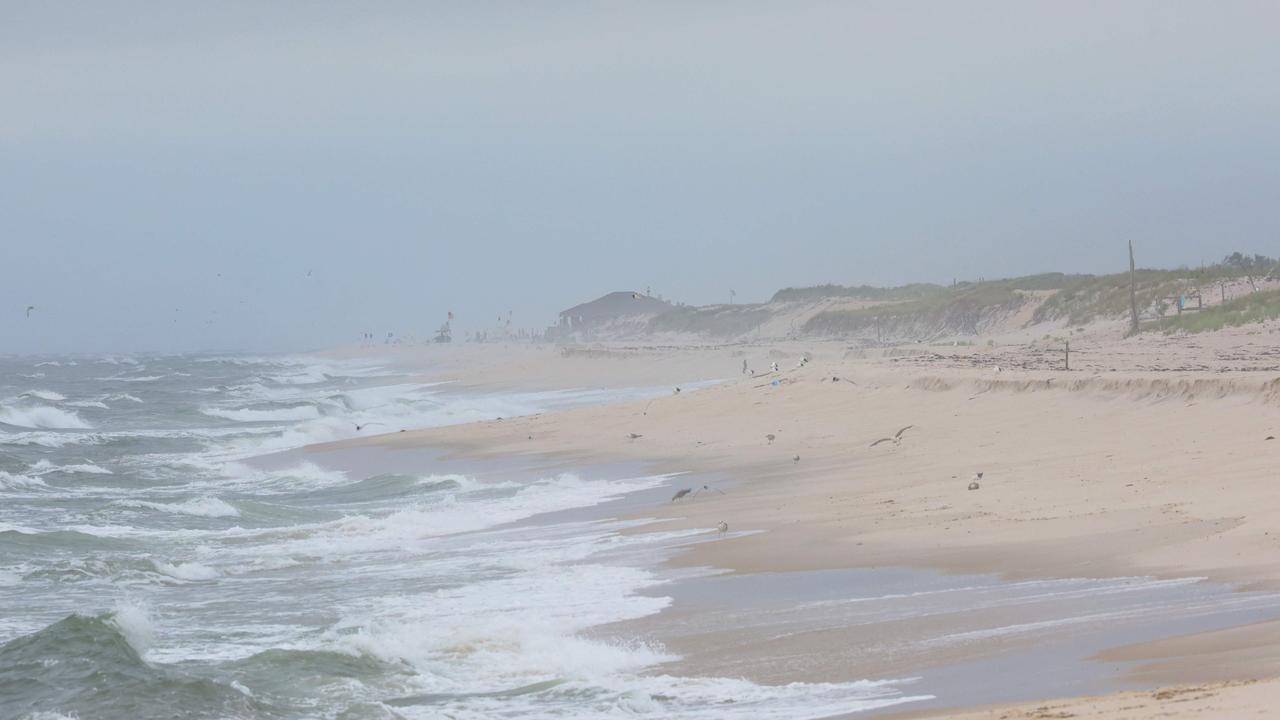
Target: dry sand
{"type": "Point", "coordinates": [1098, 472]}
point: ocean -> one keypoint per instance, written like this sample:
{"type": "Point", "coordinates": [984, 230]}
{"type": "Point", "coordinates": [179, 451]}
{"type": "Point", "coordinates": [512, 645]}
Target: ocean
{"type": "Point", "coordinates": [167, 551]}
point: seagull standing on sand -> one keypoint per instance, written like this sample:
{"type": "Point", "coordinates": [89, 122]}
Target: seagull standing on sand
{"type": "Point", "coordinates": [974, 484]}
{"type": "Point", "coordinates": [723, 527]}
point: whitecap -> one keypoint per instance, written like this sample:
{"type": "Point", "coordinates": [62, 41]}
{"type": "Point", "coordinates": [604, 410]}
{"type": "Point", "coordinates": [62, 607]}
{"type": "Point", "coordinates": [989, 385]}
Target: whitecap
{"type": "Point", "coordinates": [13, 481]}
{"type": "Point", "coordinates": [186, 571]}
{"type": "Point", "coordinates": [134, 623]}
{"type": "Point", "coordinates": [41, 416]}
{"type": "Point", "coordinates": [88, 404]}
{"type": "Point", "coordinates": [292, 414]}
{"type": "Point", "coordinates": [47, 395]}
{"type": "Point", "coordinates": [123, 396]}
{"type": "Point", "coordinates": [200, 507]}
{"type": "Point", "coordinates": [44, 467]}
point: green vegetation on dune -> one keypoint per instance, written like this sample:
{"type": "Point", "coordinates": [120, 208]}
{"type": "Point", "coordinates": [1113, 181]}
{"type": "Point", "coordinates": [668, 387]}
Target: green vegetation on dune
{"type": "Point", "coordinates": [1251, 308]}
{"type": "Point", "coordinates": [901, 293]}
{"type": "Point", "coordinates": [1091, 297]}
{"type": "Point", "coordinates": [924, 310]}
{"type": "Point", "coordinates": [919, 291]}
{"type": "Point", "coordinates": [718, 320]}
{"type": "Point", "coordinates": [959, 309]}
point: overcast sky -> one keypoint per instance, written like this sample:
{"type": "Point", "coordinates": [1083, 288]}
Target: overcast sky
{"type": "Point", "coordinates": [171, 172]}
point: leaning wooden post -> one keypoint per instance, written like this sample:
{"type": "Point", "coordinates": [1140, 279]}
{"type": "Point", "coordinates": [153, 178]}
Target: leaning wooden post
{"type": "Point", "coordinates": [1133, 294]}
{"type": "Point", "coordinates": [1067, 353]}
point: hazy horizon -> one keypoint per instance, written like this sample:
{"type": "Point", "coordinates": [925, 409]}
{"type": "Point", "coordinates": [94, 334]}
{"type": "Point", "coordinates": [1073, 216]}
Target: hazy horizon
{"type": "Point", "coordinates": [188, 176]}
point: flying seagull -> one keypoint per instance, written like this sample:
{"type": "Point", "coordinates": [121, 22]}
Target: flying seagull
{"type": "Point", "coordinates": [633, 436]}
{"type": "Point", "coordinates": [896, 439]}
{"type": "Point", "coordinates": [361, 427]}
{"type": "Point", "coordinates": [681, 493]}
{"type": "Point", "coordinates": [769, 437]}
{"type": "Point", "coordinates": [29, 309]}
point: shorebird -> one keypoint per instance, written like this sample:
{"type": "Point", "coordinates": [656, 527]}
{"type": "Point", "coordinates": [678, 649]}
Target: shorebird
{"type": "Point", "coordinates": [769, 437]}
{"type": "Point", "coordinates": [723, 527]}
{"type": "Point", "coordinates": [633, 436]}
{"type": "Point", "coordinates": [796, 458]}
{"type": "Point", "coordinates": [896, 439]}
{"type": "Point", "coordinates": [681, 493]}
{"type": "Point", "coordinates": [974, 484]}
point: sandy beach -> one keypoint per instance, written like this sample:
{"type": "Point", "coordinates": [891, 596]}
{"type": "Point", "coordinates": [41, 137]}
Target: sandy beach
{"type": "Point", "coordinates": [1129, 465]}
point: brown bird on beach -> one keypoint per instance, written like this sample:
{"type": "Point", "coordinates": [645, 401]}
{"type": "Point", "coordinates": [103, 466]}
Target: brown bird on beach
{"type": "Point", "coordinates": [769, 437]}
{"type": "Point", "coordinates": [896, 439]}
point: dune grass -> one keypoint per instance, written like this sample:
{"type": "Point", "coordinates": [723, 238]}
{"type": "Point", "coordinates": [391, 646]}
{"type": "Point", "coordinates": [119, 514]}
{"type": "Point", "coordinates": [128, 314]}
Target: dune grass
{"type": "Point", "coordinates": [1251, 308]}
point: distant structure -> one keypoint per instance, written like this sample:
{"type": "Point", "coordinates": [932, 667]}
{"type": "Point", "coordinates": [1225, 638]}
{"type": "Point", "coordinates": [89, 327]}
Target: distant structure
{"type": "Point", "coordinates": [606, 310]}
{"type": "Point", "coordinates": [444, 334]}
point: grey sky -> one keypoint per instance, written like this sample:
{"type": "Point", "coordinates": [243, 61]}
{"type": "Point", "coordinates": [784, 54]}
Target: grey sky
{"type": "Point", "coordinates": [485, 157]}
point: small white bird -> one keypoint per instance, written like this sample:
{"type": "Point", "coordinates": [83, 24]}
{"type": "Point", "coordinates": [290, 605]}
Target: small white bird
{"type": "Point", "coordinates": [723, 527]}
{"type": "Point", "coordinates": [974, 484]}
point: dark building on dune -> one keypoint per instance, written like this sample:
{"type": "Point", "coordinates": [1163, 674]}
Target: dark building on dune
{"type": "Point", "coordinates": [609, 309]}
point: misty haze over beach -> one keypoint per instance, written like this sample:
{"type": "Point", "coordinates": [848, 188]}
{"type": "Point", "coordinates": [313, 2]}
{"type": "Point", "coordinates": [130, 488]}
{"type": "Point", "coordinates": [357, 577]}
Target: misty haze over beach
{"type": "Point", "coordinates": [671, 360]}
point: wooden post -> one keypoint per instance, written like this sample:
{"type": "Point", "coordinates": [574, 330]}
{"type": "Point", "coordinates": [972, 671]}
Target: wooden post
{"type": "Point", "coordinates": [1067, 352]}
{"type": "Point", "coordinates": [1133, 294]}
{"type": "Point", "coordinates": [1223, 288]}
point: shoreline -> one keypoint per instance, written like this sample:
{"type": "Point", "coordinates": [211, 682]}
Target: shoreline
{"type": "Point", "coordinates": [1084, 474]}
